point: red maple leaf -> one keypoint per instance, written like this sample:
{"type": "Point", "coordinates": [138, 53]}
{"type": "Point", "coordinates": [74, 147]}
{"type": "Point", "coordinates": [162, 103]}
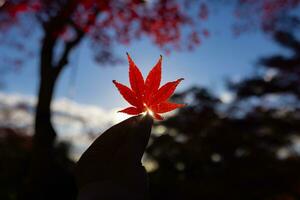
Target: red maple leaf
{"type": "Point", "coordinates": [146, 95]}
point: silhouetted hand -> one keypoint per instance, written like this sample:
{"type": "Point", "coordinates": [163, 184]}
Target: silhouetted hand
{"type": "Point", "coordinates": [111, 167]}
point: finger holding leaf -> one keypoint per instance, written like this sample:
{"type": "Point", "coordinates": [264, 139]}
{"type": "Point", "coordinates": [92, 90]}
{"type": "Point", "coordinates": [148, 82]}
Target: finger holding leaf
{"type": "Point", "coordinates": [111, 167]}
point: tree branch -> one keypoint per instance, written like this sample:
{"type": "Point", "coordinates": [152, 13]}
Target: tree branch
{"type": "Point", "coordinates": [63, 61]}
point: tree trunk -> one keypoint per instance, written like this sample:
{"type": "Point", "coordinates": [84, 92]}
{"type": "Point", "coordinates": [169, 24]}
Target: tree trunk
{"type": "Point", "coordinates": [45, 135]}
{"type": "Point", "coordinates": [44, 132]}
{"type": "Point", "coordinates": [48, 177]}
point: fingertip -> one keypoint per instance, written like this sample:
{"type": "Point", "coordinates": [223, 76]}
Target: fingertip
{"type": "Point", "coordinates": [146, 118]}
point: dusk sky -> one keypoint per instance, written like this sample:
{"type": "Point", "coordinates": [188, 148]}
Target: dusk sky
{"type": "Point", "coordinates": [86, 99]}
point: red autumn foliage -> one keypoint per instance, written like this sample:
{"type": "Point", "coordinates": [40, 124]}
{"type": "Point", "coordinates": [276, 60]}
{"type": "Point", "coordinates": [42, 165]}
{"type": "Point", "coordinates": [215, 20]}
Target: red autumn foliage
{"type": "Point", "coordinates": [146, 95]}
{"type": "Point", "coordinates": [120, 21]}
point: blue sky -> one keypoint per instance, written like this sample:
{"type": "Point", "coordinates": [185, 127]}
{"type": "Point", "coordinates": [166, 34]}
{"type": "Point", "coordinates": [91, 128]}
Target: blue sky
{"type": "Point", "coordinates": [85, 90]}
{"type": "Point", "coordinates": [220, 56]}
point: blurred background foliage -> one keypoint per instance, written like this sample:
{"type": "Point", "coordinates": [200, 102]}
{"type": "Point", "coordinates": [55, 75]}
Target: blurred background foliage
{"type": "Point", "coordinates": [245, 150]}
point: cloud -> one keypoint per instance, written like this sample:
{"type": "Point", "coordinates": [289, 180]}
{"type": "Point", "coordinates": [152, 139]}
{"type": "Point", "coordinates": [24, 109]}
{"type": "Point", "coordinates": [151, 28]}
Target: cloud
{"type": "Point", "coordinates": [74, 122]}
{"type": "Point", "coordinates": [226, 97]}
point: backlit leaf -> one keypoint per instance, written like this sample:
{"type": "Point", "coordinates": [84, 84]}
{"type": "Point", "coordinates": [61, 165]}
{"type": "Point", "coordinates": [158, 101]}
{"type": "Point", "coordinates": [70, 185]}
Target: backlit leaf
{"type": "Point", "coordinates": [127, 93]}
{"type": "Point", "coordinates": [135, 78]}
{"type": "Point", "coordinates": [147, 96]}
{"type": "Point", "coordinates": [153, 79]}
{"type": "Point", "coordinates": [165, 107]}
{"type": "Point", "coordinates": [157, 116]}
{"type": "Point", "coordinates": [165, 92]}
{"type": "Point", "coordinates": [131, 111]}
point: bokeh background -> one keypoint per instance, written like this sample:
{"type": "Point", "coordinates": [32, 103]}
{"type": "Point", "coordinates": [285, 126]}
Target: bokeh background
{"type": "Point", "coordinates": [239, 136]}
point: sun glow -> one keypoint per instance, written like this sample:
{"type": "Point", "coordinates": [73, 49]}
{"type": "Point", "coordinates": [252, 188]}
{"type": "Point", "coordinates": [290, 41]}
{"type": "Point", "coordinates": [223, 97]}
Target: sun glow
{"type": "Point", "coordinates": [148, 110]}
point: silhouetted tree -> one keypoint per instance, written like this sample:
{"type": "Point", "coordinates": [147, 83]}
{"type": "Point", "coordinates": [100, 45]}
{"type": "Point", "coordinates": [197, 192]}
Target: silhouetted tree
{"type": "Point", "coordinates": [281, 73]}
